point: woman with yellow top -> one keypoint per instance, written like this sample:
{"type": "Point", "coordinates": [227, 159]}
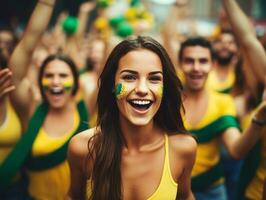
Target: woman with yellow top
{"type": "Point", "coordinates": [52, 125]}
{"type": "Point", "coordinates": [13, 119]}
{"type": "Point", "coordinates": [10, 133]}
{"type": "Point", "coordinates": [139, 148]}
{"type": "Point", "coordinates": [42, 150]}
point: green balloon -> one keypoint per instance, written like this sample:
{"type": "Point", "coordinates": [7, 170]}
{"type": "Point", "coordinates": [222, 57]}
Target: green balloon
{"type": "Point", "coordinates": [115, 21]}
{"type": "Point", "coordinates": [103, 3]}
{"type": "Point", "coordinates": [124, 29]}
{"type": "Point", "coordinates": [135, 3]}
{"type": "Point", "coordinates": [70, 25]}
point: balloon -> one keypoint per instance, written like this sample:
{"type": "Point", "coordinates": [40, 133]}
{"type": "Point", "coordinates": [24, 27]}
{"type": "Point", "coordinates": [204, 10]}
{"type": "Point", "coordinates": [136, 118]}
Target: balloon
{"type": "Point", "coordinates": [103, 3]}
{"type": "Point", "coordinates": [101, 23]}
{"type": "Point", "coordinates": [115, 21]}
{"type": "Point", "coordinates": [124, 29]}
{"type": "Point", "coordinates": [70, 25]}
{"type": "Point", "coordinates": [131, 14]}
{"type": "Point", "coordinates": [135, 3]}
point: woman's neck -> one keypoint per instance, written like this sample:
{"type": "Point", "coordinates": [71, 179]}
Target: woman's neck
{"type": "Point", "coordinates": [136, 138]}
{"type": "Point", "coordinates": [69, 107]}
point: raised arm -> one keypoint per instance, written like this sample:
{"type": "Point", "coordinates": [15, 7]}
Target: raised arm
{"type": "Point", "coordinates": [238, 144]}
{"type": "Point", "coordinates": [252, 49]}
{"type": "Point", "coordinates": [83, 17]}
{"type": "Point", "coordinates": [21, 56]}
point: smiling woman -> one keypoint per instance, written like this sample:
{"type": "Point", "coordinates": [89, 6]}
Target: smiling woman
{"type": "Point", "coordinates": [139, 126]}
{"type": "Point", "coordinates": [52, 125]}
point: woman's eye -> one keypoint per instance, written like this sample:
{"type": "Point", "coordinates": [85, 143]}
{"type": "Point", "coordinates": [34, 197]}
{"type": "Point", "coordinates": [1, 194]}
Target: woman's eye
{"type": "Point", "coordinates": [155, 78]}
{"type": "Point", "coordinates": [63, 75]}
{"type": "Point", "coordinates": [48, 75]}
{"type": "Point", "coordinates": [128, 77]}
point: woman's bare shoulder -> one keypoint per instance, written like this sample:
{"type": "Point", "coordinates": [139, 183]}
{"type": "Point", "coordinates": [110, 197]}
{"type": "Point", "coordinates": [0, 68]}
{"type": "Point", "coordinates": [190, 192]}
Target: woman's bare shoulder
{"type": "Point", "coordinates": [78, 145]}
{"type": "Point", "coordinates": [183, 144]}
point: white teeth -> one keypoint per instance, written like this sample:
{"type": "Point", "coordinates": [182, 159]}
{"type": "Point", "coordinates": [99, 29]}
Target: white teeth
{"type": "Point", "coordinates": [141, 102]}
{"type": "Point", "coordinates": [56, 89]}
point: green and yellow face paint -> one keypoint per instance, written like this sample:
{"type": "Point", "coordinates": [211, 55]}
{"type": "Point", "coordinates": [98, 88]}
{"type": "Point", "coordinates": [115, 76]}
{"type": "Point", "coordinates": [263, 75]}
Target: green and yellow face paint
{"type": "Point", "coordinates": [67, 84]}
{"type": "Point", "coordinates": [46, 83]}
{"type": "Point", "coordinates": [120, 90]}
{"type": "Point", "coordinates": [160, 91]}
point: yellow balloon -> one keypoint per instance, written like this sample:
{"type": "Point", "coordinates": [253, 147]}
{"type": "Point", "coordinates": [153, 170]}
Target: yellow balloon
{"type": "Point", "coordinates": [101, 23]}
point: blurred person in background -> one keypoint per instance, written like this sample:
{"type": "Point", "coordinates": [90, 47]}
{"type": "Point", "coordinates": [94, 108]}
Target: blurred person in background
{"type": "Point", "coordinates": [214, 121]}
{"type": "Point", "coordinates": [13, 182]}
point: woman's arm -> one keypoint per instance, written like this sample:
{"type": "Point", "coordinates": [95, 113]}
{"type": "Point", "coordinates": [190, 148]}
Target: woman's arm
{"type": "Point", "coordinates": [20, 59]}
{"type": "Point", "coordinates": [80, 164]}
{"type": "Point", "coordinates": [245, 34]}
{"type": "Point", "coordinates": [188, 155]}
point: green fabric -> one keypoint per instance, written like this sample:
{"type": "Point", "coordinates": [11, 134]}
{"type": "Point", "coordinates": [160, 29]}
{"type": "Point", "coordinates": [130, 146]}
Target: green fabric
{"type": "Point", "coordinates": [204, 180]}
{"type": "Point", "coordinates": [54, 158]}
{"type": "Point", "coordinates": [226, 90]}
{"type": "Point", "coordinates": [215, 128]}
{"type": "Point", "coordinates": [82, 71]}
{"type": "Point", "coordinates": [248, 170]}
{"type": "Point", "coordinates": [17, 156]}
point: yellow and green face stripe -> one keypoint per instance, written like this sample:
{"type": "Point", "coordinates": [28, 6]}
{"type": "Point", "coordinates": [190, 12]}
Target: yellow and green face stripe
{"type": "Point", "coordinates": [67, 84]}
{"type": "Point", "coordinates": [120, 90]}
{"type": "Point", "coordinates": [46, 83]}
{"type": "Point", "coordinates": [160, 91]}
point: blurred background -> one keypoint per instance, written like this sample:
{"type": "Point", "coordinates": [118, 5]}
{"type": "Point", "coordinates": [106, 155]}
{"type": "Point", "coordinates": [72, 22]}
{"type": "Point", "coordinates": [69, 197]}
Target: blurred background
{"type": "Point", "coordinates": [205, 11]}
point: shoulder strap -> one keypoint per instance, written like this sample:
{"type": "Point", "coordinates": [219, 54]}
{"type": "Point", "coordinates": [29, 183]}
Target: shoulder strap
{"type": "Point", "coordinates": [17, 156]}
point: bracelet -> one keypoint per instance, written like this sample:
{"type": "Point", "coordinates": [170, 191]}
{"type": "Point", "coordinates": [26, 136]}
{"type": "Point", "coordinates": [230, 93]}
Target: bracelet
{"type": "Point", "coordinates": [46, 3]}
{"type": "Point", "coordinates": [257, 122]}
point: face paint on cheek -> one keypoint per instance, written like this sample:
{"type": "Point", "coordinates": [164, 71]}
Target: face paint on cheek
{"type": "Point", "coordinates": [68, 84]}
{"type": "Point", "coordinates": [120, 90]}
{"type": "Point", "coordinates": [46, 83]}
{"type": "Point", "coordinates": [160, 91]}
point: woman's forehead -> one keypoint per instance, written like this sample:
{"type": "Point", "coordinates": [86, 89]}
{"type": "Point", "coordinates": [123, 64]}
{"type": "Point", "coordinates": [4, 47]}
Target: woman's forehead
{"type": "Point", "coordinates": [140, 60]}
{"type": "Point", "coordinates": [57, 66]}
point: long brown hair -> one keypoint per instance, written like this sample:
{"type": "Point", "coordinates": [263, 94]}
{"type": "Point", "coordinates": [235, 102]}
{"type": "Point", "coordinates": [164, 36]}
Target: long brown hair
{"type": "Point", "coordinates": [107, 145]}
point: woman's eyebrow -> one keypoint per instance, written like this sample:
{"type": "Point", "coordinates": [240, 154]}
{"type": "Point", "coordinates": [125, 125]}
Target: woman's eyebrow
{"type": "Point", "coordinates": [129, 71]}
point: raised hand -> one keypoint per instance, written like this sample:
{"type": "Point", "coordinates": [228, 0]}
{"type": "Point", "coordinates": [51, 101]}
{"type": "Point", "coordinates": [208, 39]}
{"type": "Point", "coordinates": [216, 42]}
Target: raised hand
{"type": "Point", "coordinates": [6, 85]}
{"type": "Point", "coordinates": [87, 6]}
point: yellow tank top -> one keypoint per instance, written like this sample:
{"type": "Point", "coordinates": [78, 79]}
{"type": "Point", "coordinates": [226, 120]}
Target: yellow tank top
{"type": "Point", "coordinates": [167, 189]}
{"type": "Point", "coordinates": [208, 154]}
{"type": "Point", "coordinates": [255, 188]}
{"type": "Point", "coordinates": [10, 132]}
{"type": "Point", "coordinates": [51, 183]}
{"type": "Point", "coordinates": [215, 84]}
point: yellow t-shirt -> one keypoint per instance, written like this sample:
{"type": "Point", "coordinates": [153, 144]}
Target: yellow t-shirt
{"type": "Point", "coordinates": [223, 86]}
{"type": "Point", "coordinates": [208, 153]}
{"type": "Point", "coordinates": [52, 183]}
